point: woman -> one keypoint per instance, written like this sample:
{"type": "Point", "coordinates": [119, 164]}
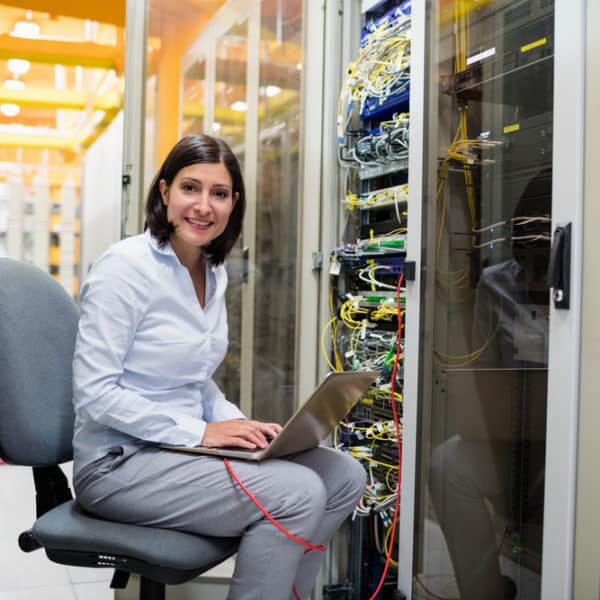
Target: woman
{"type": "Point", "coordinates": [153, 330]}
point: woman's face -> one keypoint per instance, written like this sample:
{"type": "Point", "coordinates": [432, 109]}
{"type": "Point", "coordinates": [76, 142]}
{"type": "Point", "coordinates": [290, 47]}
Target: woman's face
{"type": "Point", "coordinates": [199, 202]}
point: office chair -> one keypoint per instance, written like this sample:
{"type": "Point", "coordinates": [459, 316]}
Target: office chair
{"type": "Point", "coordinates": [38, 325]}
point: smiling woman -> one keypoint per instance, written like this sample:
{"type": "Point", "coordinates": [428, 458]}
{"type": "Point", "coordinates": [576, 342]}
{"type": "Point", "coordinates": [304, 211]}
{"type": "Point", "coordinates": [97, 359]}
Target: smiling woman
{"type": "Point", "coordinates": [199, 203]}
{"type": "Point", "coordinates": [153, 331]}
{"type": "Point", "coordinates": [197, 200]}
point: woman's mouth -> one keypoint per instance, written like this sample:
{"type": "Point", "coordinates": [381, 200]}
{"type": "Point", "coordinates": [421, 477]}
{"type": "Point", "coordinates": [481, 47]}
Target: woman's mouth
{"type": "Point", "coordinates": [199, 223]}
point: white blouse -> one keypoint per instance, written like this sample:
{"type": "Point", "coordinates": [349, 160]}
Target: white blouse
{"type": "Point", "coordinates": [146, 351]}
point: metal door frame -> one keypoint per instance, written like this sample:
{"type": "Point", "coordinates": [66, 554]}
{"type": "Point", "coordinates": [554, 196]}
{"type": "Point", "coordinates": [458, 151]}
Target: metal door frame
{"type": "Point", "coordinates": [565, 325]}
{"type": "Point", "coordinates": [134, 102]}
{"type": "Point", "coordinates": [412, 325]}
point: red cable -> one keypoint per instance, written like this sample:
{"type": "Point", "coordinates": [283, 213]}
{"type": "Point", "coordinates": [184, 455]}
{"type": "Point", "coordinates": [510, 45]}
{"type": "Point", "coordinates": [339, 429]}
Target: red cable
{"type": "Point", "coordinates": [319, 547]}
{"type": "Point", "coordinates": [397, 425]}
{"type": "Point", "coordinates": [268, 515]}
{"type": "Point", "coordinates": [265, 512]}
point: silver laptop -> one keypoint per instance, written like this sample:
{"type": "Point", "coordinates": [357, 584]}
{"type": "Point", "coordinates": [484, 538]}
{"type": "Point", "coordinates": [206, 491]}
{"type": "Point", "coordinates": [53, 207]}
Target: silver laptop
{"type": "Point", "coordinates": [311, 423]}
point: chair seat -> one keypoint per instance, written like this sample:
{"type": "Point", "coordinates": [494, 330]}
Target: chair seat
{"type": "Point", "coordinates": [68, 528]}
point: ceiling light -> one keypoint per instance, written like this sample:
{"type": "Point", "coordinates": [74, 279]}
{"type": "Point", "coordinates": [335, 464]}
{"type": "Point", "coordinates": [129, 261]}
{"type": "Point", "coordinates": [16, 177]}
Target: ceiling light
{"type": "Point", "coordinates": [239, 106]}
{"type": "Point", "coordinates": [10, 110]}
{"type": "Point", "coordinates": [25, 29]}
{"type": "Point", "coordinates": [60, 77]}
{"type": "Point", "coordinates": [14, 84]}
{"type": "Point", "coordinates": [18, 66]}
{"type": "Point", "coordinates": [272, 90]}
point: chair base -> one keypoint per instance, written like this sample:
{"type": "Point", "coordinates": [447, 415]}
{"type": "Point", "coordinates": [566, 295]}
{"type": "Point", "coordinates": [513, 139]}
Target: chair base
{"type": "Point", "coordinates": [151, 590]}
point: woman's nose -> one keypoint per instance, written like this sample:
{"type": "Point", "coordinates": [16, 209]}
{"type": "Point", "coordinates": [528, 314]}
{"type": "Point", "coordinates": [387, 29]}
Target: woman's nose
{"type": "Point", "coordinates": [202, 203]}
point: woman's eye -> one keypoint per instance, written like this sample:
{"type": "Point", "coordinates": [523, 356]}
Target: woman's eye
{"type": "Point", "coordinates": [188, 188]}
{"type": "Point", "coordinates": [221, 194]}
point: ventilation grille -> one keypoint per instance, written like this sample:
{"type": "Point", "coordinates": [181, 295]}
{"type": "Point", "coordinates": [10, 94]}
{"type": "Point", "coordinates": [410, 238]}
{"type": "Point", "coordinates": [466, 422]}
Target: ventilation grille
{"type": "Point", "coordinates": [518, 12]}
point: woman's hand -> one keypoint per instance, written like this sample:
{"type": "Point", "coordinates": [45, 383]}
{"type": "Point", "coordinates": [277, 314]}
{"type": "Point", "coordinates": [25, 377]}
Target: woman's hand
{"type": "Point", "coordinates": [241, 433]}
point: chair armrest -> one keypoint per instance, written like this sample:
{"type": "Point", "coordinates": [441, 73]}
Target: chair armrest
{"type": "Point", "coordinates": [27, 542]}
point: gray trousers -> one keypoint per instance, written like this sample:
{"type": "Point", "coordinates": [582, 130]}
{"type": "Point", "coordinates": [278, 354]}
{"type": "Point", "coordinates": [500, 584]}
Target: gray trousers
{"type": "Point", "coordinates": [310, 494]}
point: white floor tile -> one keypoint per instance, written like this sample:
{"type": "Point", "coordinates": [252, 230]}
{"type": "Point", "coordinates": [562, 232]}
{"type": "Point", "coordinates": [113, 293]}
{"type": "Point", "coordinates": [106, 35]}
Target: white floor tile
{"type": "Point", "coordinates": [20, 570]}
{"type": "Point", "coordinates": [89, 575]}
{"type": "Point", "coordinates": [17, 500]}
{"type": "Point", "coordinates": [64, 592]}
{"type": "Point", "coordinates": [93, 591]}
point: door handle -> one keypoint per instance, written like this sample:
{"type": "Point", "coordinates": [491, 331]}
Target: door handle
{"type": "Point", "coordinates": [559, 267]}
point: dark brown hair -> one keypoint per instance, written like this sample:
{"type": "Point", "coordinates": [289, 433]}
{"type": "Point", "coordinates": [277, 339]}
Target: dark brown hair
{"type": "Point", "coordinates": [190, 150]}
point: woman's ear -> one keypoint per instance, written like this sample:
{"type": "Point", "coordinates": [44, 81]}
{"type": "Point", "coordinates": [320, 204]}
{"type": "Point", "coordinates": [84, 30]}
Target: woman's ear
{"type": "Point", "coordinates": [164, 191]}
{"type": "Point", "coordinates": [236, 197]}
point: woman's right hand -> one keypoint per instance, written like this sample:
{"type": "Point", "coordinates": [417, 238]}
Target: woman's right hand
{"type": "Point", "coordinates": [240, 433]}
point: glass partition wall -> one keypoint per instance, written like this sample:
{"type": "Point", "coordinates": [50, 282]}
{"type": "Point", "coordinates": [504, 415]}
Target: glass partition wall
{"type": "Point", "coordinates": [277, 209]}
{"type": "Point", "coordinates": [241, 81]}
{"type": "Point", "coordinates": [229, 123]}
{"type": "Point", "coordinates": [487, 231]}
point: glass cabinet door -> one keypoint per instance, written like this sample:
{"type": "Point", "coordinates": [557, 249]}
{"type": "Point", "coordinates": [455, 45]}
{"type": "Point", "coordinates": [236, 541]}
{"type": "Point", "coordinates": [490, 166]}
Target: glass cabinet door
{"type": "Point", "coordinates": [276, 242]}
{"type": "Point", "coordinates": [487, 234]}
{"type": "Point", "coordinates": [241, 82]}
{"type": "Point", "coordinates": [229, 123]}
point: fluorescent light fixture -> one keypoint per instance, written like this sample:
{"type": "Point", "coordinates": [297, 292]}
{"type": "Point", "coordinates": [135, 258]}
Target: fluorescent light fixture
{"type": "Point", "coordinates": [216, 126]}
{"type": "Point", "coordinates": [10, 110]}
{"type": "Point", "coordinates": [18, 66]}
{"type": "Point", "coordinates": [25, 29]}
{"type": "Point", "coordinates": [60, 77]}
{"type": "Point", "coordinates": [272, 90]}
{"type": "Point", "coordinates": [239, 106]}
{"type": "Point", "coordinates": [14, 84]}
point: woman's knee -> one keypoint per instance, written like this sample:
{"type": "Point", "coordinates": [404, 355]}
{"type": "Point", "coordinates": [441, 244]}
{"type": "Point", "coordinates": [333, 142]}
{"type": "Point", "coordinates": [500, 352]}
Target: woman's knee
{"type": "Point", "coordinates": [303, 492]}
{"type": "Point", "coordinates": [350, 480]}
{"type": "Point", "coordinates": [356, 476]}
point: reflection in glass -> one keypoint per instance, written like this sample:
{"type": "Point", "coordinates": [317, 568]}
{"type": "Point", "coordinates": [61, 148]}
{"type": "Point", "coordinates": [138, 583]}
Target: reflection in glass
{"type": "Point", "coordinates": [230, 125]}
{"type": "Point", "coordinates": [277, 193]}
{"type": "Point", "coordinates": [192, 120]}
{"type": "Point", "coordinates": [230, 87]}
{"type": "Point", "coordinates": [480, 520]}
{"type": "Point", "coordinates": [172, 28]}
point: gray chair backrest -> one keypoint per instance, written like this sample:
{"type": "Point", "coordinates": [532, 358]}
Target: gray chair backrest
{"type": "Point", "coordinates": [38, 325]}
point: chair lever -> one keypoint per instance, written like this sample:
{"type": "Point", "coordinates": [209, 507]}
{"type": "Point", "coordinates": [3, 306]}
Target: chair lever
{"type": "Point", "coordinates": [27, 542]}
{"type": "Point", "coordinates": [119, 580]}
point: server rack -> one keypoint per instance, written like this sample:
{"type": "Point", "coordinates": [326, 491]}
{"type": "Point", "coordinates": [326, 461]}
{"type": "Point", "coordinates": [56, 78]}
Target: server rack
{"type": "Point", "coordinates": [367, 271]}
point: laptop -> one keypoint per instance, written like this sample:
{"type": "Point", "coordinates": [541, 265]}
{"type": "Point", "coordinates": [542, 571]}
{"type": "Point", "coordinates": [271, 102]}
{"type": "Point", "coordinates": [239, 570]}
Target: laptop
{"type": "Point", "coordinates": [310, 424]}
{"type": "Point", "coordinates": [498, 404]}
